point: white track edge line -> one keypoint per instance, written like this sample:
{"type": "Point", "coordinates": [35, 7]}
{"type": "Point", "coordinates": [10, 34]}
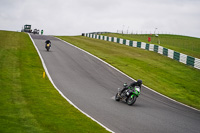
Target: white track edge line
{"type": "Point", "coordinates": [45, 68]}
{"type": "Point", "coordinates": [129, 76]}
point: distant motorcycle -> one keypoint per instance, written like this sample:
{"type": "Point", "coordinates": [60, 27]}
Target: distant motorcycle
{"type": "Point", "coordinates": [47, 44]}
{"type": "Point", "coordinates": [129, 95]}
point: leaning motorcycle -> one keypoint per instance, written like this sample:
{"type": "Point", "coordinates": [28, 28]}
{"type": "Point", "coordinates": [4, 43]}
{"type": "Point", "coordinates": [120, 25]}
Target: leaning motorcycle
{"type": "Point", "coordinates": [129, 95]}
{"type": "Point", "coordinates": [48, 45]}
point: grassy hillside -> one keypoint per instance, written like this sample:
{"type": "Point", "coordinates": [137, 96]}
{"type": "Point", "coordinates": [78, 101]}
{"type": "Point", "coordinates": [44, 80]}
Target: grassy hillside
{"type": "Point", "coordinates": [29, 103]}
{"type": "Point", "coordinates": [158, 72]}
{"type": "Point", "coordinates": [182, 44]}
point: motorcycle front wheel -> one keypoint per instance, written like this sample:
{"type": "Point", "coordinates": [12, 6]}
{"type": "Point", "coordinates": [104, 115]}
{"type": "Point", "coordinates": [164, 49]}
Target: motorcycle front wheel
{"type": "Point", "coordinates": [131, 100]}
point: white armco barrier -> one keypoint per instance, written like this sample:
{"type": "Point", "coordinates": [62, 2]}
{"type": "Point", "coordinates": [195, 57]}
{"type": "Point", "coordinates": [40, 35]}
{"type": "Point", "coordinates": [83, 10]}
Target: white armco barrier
{"type": "Point", "coordinates": [151, 47]}
{"type": "Point", "coordinates": [121, 41]}
{"type": "Point", "coordinates": [143, 45]}
{"type": "Point", "coordinates": [183, 58]}
{"type": "Point", "coordinates": [170, 53]}
{"type": "Point", "coordinates": [105, 38]}
{"type": "Point", "coordinates": [127, 42]}
{"type": "Point", "coordinates": [115, 39]}
{"type": "Point", "coordinates": [101, 37]}
{"type": "Point", "coordinates": [197, 63]}
{"type": "Point", "coordinates": [160, 49]}
{"type": "Point", "coordinates": [110, 39]}
{"type": "Point", "coordinates": [134, 43]}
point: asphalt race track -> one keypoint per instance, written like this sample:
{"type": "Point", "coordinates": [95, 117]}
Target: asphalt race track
{"type": "Point", "coordinates": [91, 85]}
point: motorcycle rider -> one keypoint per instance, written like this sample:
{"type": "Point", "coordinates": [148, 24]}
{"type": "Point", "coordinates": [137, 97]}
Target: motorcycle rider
{"type": "Point", "coordinates": [47, 42]}
{"type": "Point", "coordinates": [138, 83]}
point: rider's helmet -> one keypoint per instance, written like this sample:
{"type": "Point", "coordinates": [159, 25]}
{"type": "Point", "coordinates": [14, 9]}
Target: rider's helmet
{"type": "Point", "coordinates": [48, 41]}
{"type": "Point", "coordinates": [139, 81]}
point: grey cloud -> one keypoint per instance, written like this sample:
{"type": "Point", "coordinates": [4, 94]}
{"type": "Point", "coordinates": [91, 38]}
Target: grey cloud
{"type": "Point", "coordinates": [72, 17]}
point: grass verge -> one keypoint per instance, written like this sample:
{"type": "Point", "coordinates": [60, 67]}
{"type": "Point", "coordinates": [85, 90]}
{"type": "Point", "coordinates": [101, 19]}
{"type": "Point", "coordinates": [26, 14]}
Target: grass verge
{"type": "Point", "coordinates": [167, 76]}
{"type": "Point", "coordinates": [28, 102]}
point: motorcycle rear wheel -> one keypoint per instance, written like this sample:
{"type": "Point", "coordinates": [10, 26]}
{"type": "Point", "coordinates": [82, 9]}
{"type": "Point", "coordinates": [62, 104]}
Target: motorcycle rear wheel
{"type": "Point", "coordinates": [117, 97]}
{"type": "Point", "coordinates": [130, 101]}
{"type": "Point", "coordinates": [47, 49]}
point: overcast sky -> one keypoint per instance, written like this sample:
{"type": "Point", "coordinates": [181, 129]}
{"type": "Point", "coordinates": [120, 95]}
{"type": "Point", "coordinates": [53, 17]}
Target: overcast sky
{"type": "Point", "coordinates": [73, 17]}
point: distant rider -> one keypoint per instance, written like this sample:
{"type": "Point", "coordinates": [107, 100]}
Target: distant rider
{"type": "Point", "coordinates": [47, 42]}
{"type": "Point", "coordinates": [138, 83]}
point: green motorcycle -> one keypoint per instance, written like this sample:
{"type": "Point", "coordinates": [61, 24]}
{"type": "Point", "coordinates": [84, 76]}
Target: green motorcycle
{"type": "Point", "coordinates": [129, 95]}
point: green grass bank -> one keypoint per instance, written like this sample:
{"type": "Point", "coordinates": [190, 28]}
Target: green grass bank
{"type": "Point", "coordinates": [183, 44]}
{"type": "Point", "coordinates": [29, 103]}
{"type": "Point", "coordinates": [167, 76]}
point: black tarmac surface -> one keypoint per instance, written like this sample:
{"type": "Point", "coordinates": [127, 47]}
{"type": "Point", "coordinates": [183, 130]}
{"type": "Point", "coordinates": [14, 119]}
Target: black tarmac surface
{"type": "Point", "coordinates": [91, 85]}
